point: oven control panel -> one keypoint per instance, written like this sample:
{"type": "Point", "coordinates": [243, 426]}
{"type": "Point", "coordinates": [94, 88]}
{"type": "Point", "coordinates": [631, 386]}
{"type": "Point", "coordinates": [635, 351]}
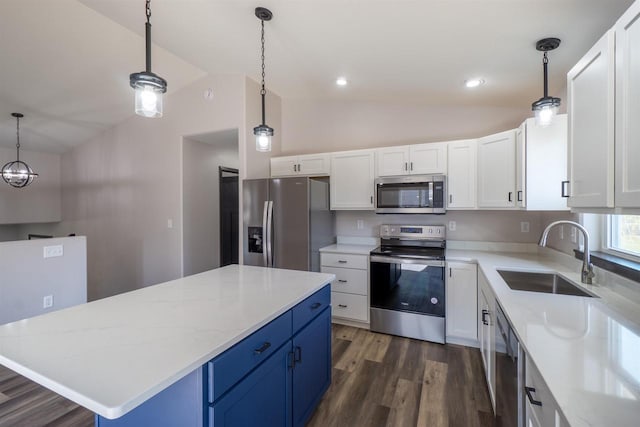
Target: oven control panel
{"type": "Point", "coordinates": [436, 232]}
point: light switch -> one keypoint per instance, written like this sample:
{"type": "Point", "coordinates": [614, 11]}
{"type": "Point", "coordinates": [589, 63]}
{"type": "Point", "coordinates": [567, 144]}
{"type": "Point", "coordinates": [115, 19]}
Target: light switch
{"type": "Point", "coordinates": [524, 226]}
{"type": "Point", "coordinates": [452, 226]}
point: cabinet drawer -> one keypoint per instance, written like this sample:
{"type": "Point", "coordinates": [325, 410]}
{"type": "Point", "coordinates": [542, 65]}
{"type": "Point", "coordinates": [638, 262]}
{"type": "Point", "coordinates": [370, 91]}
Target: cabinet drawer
{"type": "Point", "coordinates": [304, 312]}
{"type": "Point", "coordinates": [345, 261]}
{"type": "Point", "coordinates": [348, 280]}
{"type": "Point", "coordinates": [226, 369]}
{"type": "Point", "coordinates": [349, 306]}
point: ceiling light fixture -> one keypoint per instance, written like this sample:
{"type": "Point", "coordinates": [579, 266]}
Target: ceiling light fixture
{"type": "Point", "coordinates": [341, 81]}
{"type": "Point", "coordinates": [17, 173]}
{"type": "Point", "coordinates": [473, 83]}
{"type": "Point", "coordinates": [149, 87]}
{"type": "Point", "coordinates": [263, 132]}
{"type": "Point", "coordinates": [546, 107]}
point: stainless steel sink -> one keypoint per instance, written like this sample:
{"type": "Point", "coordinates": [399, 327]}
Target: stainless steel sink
{"type": "Point", "coordinates": [541, 282]}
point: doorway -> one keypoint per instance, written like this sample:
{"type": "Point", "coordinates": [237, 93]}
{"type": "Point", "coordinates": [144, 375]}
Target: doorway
{"type": "Point", "coordinates": [229, 219]}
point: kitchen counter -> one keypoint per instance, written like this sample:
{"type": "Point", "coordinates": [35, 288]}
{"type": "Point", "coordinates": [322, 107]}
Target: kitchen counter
{"type": "Point", "coordinates": [113, 354]}
{"type": "Point", "coordinates": [587, 349]}
{"type": "Point", "coordinates": [340, 248]}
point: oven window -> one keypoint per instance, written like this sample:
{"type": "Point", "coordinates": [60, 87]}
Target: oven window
{"type": "Point", "coordinates": [403, 196]}
{"type": "Point", "coordinates": [408, 287]}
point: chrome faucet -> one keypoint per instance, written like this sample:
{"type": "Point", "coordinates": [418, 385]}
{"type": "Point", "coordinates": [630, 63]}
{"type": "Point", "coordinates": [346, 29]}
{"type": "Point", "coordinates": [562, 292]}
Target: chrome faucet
{"type": "Point", "coordinates": [587, 267]}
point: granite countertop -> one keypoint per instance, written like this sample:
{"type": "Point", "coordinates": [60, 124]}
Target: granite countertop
{"type": "Point", "coordinates": [586, 349]}
{"type": "Point", "coordinates": [113, 354]}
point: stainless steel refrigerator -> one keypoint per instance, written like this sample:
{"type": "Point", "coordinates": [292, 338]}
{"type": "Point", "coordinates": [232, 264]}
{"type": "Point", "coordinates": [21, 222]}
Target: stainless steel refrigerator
{"type": "Point", "coordinates": [286, 222]}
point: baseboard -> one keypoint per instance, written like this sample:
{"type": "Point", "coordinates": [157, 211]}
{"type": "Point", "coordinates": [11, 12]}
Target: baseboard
{"type": "Point", "coordinates": [354, 323]}
{"type": "Point", "coordinates": [463, 341]}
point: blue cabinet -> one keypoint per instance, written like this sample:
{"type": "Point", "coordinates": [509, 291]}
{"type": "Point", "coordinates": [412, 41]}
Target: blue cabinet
{"type": "Point", "coordinates": [274, 377]}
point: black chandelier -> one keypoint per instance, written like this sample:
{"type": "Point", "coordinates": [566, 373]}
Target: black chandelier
{"type": "Point", "coordinates": [18, 174]}
{"type": "Point", "coordinates": [546, 107]}
{"type": "Point", "coordinates": [149, 87]}
{"type": "Point", "coordinates": [263, 132]}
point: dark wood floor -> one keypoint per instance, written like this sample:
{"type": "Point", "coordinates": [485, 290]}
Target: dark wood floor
{"type": "Point", "coordinates": [382, 380]}
{"type": "Point", "coordinates": [378, 380]}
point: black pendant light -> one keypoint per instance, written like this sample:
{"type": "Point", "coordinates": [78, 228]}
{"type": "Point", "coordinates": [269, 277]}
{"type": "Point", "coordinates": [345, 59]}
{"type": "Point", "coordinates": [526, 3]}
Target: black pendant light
{"type": "Point", "coordinates": [149, 87]}
{"type": "Point", "coordinates": [263, 132]}
{"type": "Point", "coordinates": [546, 107]}
{"type": "Point", "coordinates": [17, 173]}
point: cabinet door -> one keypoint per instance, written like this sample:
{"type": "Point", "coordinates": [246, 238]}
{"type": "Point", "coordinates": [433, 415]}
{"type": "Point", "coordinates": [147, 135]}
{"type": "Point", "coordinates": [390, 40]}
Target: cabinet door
{"type": "Point", "coordinates": [312, 371]}
{"type": "Point", "coordinates": [392, 161]}
{"type": "Point", "coordinates": [462, 301]}
{"type": "Point", "coordinates": [521, 165]}
{"type": "Point", "coordinates": [461, 178]}
{"type": "Point", "coordinates": [263, 398]}
{"type": "Point", "coordinates": [497, 170]}
{"type": "Point", "coordinates": [314, 164]}
{"type": "Point", "coordinates": [428, 158]}
{"type": "Point", "coordinates": [590, 90]}
{"type": "Point", "coordinates": [284, 166]}
{"type": "Point", "coordinates": [486, 331]}
{"type": "Point", "coordinates": [627, 34]}
{"type": "Point", "coordinates": [352, 177]}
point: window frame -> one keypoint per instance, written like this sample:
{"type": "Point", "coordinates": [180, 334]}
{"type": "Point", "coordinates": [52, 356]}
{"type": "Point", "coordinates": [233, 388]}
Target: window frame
{"type": "Point", "coordinates": [607, 245]}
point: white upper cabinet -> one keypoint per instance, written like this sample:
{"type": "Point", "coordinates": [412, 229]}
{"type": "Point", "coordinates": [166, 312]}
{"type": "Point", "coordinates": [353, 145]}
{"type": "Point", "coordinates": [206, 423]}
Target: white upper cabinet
{"type": "Point", "coordinates": [428, 158]}
{"type": "Point", "coordinates": [541, 165]}
{"type": "Point", "coordinates": [310, 164]}
{"type": "Point", "coordinates": [393, 161]}
{"type": "Point", "coordinates": [419, 159]}
{"type": "Point", "coordinates": [461, 177]}
{"type": "Point", "coordinates": [352, 180]}
{"type": "Point", "coordinates": [627, 145]}
{"type": "Point", "coordinates": [591, 97]}
{"type": "Point", "coordinates": [497, 170]}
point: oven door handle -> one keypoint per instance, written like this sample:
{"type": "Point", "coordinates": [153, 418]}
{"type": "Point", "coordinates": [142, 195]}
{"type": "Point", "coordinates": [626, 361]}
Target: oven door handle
{"type": "Point", "coordinates": [394, 260]}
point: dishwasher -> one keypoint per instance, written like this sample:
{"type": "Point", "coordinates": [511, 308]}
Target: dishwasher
{"type": "Point", "coordinates": [510, 374]}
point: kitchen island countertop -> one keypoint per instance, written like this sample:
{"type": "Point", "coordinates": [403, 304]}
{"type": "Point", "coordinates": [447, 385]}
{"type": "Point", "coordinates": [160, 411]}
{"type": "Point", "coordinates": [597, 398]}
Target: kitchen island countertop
{"type": "Point", "coordinates": [113, 354]}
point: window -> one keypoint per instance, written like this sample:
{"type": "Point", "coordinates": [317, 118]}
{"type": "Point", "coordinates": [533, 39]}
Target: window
{"type": "Point", "coordinates": [623, 235]}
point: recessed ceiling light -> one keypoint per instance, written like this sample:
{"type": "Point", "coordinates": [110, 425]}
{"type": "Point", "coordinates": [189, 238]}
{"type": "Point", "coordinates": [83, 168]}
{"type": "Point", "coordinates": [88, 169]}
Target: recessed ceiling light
{"type": "Point", "coordinates": [341, 81]}
{"type": "Point", "coordinates": [471, 83]}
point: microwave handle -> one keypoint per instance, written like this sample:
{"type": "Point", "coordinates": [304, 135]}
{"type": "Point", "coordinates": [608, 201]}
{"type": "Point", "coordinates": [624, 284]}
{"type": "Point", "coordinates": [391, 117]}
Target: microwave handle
{"type": "Point", "coordinates": [431, 190]}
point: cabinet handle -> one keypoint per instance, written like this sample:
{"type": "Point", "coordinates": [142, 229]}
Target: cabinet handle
{"type": "Point", "coordinates": [449, 271]}
{"type": "Point", "coordinates": [564, 189]}
{"type": "Point", "coordinates": [342, 281]}
{"type": "Point", "coordinates": [510, 194]}
{"type": "Point", "coordinates": [297, 355]}
{"type": "Point", "coordinates": [519, 195]}
{"type": "Point", "coordinates": [262, 348]}
{"type": "Point", "coordinates": [406, 166]}
{"type": "Point", "coordinates": [342, 306]}
{"type": "Point", "coordinates": [450, 198]}
{"type": "Point", "coordinates": [315, 305]}
{"type": "Point", "coordinates": [295, 169]}
{"type": "Point", "coordinates": [411, 165]}
{"type": "Point", "coordinates": [299, 168]}
{"type": "Point", "coordinates": [341, 261]}
{"type": "Point", "coordinates": [484, 320]}
{"type": "Point", "coordinates": [371, 199]}
{"type": "Point", "coordinates": [530, 391]}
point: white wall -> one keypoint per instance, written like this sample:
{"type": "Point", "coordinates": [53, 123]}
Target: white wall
{"type": "Point", "coordinates": [39, 201]}
{"type": "Point", "coordinates": [27, 277]}
{"type": "Point", "coordinates": [312, 126]}
{"type": "Point", "coordinates": [201, 195]}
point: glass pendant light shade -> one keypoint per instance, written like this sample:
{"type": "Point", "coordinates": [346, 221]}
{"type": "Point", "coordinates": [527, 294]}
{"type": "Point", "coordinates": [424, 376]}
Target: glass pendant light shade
{"type": "Point", "coordinates": [545, 110]}
{"type": "Point", "coordinates": [263, 135]}
{"type": "Point", "coordinates": [18, 174]}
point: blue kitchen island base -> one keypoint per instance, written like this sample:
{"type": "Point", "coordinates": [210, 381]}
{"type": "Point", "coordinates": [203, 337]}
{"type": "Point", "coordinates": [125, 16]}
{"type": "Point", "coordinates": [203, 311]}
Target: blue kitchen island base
{"type": "Point", "coordinates": [274, 377]}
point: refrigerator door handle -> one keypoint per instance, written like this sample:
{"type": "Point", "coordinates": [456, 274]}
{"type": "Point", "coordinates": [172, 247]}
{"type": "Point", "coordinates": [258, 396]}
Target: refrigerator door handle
{"type": "Point", "coordinates": [265, 235]}
{"type": "Point", "coordinates": [270, 235]}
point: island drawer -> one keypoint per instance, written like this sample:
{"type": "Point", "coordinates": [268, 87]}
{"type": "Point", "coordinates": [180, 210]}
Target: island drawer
{"type": "Point", "coordinates": [308, 309]}
{"type": "Point", "coordinates": [232, 365]}
{"type": "Point", "coordinates": [348, 280]}
{"type": "Point", "coordinates": [360, 262]}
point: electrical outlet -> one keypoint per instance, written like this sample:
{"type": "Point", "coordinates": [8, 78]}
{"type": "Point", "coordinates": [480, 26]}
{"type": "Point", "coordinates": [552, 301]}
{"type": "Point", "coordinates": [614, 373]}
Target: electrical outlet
{"type": "Point", "coordinates": [452, 226]}
{"type": "Point", "coordinates": [524, 227]}
{"type": "Point", "coordinates": [53, 251]}
{"type": "Point", "coordinates": [169, 223]}
{"type": "Point", "coordinates": [359, 224]}
{"type": "Point", "coordinates": [47, 301]}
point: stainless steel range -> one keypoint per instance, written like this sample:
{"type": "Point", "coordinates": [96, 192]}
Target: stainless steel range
{"type": "Point", "coordinates": [407, 282]}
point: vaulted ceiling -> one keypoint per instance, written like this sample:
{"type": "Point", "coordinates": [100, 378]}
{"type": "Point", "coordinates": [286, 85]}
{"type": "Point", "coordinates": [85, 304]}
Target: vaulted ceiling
{"type": "Point", "coordinates": [65, 63]}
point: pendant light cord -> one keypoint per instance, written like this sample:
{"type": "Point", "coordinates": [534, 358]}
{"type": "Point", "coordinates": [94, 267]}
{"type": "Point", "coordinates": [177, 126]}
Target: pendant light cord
{"type": "Point", "coordinates": [545, 62]}
{"type": "Point", "coordinates": [17, 139]}
{"type": "Point", "coordinates": [147, 28]}
{"type": "Point", "coordinates": [262, 90]}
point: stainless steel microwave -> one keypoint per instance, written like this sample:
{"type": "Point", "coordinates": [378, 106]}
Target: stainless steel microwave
{"type": "Point", "coordinates": [411, 194]}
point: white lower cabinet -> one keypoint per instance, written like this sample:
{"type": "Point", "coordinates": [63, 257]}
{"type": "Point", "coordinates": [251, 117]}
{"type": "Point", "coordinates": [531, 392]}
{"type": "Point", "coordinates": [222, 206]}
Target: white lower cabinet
{"type": "Point", "coordinates": [350, 289]}
{"type": "Point", "coordinates": [486, 334]}
{"type": "Point", "coordinates": [541, 408]}
{"type": "Point", "coordinates": [462, 302]}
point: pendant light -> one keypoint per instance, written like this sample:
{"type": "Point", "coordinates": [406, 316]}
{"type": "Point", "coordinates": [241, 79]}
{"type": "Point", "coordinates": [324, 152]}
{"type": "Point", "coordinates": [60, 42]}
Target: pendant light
{"type": "Point", "coordinates": [149, 87]}
{"type": "Point", "coordinates": [546, 107]}
{"type": "Point", "coordinates": [263, 132]}
{"type": "Point", "coordinates": [17, 173]}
